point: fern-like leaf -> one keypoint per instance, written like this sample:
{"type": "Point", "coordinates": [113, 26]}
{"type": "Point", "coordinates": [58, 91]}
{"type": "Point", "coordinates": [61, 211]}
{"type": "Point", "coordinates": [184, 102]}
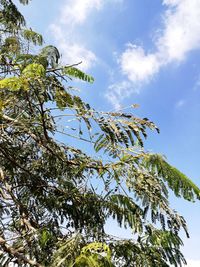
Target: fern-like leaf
{"type": "Point", "coordinates": [33, 37]}
{"type": "Point", "coordinates": [76, 73]}
{"type": "Point", "coordinates": [180, 184]}
{"type": "Point", "coordinates": [126, 212]}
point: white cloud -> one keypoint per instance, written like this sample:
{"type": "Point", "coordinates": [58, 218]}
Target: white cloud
{"type": "Point", "coordinates": [193, 263]}
{"type": "Point", "coordinates": [72, 51]}
{"type": "Point", "coordinates": [118, 91]}
{"type": "Point", "coordinates": [77, 53]}
{"type": "Point", "coordinates": [77, 11]}
{"type": "Point", "coordinates": [179, 35]}
{"type": "Point", "coordinates": [181, 32]}
{"type": "Point", "coordinates": [67, 34]}
{"type": "Point", "coordinates": [137, 65]}
{"type": "Point", "coordinates": [73, 14]}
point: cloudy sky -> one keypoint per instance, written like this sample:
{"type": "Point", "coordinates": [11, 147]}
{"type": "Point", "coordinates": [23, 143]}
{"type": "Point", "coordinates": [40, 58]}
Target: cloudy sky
{"type": "Point", "coordinates": [144, 52]}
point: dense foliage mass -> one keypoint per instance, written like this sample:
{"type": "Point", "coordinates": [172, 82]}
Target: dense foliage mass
{"type": "Point", "coordinates": [54, 198]}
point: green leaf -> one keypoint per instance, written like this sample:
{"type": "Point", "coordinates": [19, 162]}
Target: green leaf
{"type": "Point", "coordinates": [180, 184]}
{"type": "Point", "coordinates": [34, 70]}
{"type": "Point", "coordinates": [14, 83]}
{"type": "Point", "coordinates": [78, 74]}
{"type": "Point", "coordinates": [33, 37]}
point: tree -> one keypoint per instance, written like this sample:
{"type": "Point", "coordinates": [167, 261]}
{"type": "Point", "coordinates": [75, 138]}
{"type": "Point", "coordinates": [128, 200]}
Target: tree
{"type": "Point", "coordinates": [54, 198]}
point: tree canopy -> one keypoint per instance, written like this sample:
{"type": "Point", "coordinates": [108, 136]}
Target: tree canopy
{"type": "Point", "coordinates": [55, 199]}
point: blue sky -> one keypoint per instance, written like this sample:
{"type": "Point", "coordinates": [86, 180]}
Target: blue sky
{"type": "Point", "coordinates": [144, 52]}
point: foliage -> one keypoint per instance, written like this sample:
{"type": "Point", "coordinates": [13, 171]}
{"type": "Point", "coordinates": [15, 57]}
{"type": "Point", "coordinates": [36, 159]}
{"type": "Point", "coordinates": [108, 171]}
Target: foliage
{"type": "Point", "coordinates": [54, 198]}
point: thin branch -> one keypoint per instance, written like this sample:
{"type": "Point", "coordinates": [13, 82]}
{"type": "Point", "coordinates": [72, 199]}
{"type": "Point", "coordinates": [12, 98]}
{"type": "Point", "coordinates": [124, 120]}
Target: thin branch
{"type": "Point", "coordinates": [76, 137]}
{"type": "Point", "coordinates": [61, 68]}
{"type": "Point", "coordinates": [15, 252]}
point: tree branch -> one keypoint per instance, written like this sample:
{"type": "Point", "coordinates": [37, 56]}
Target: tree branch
{"type": "Point", "coordinates": [15, 252]}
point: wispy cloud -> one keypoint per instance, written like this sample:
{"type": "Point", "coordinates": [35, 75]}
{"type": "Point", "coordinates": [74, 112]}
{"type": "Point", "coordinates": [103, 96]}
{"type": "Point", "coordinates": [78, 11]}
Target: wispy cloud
{"type": "Point", "coordinates": [180, 34]}
{"type": "Point", "coordinates": [197, 83]}
{"type": "Point", "coordinates": [116, 91]}
{"type": "Point", "coordinates": [76, 11]}
{"type": "Point", "coordinates": [72, 51]}
{"type": "Point", "coordinates": [68, 27]}
{"type": "Point", "coordinates": [180, 103]}
{"type": "Point", "coordinates": [73, 14]}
